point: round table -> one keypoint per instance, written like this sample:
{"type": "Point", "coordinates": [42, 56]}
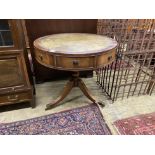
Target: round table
{"type": "Point", "coordinates": [74, 52]}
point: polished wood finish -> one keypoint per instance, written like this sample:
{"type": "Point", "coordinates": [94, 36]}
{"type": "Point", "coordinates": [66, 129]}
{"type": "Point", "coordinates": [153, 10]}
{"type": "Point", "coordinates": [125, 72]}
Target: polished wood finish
{"type": "Point", "coordinates": [75, 63]}
{"type": "Point", "coordinates": [74, 52]}
{"type": "Point", "coordinates": [16, 97]}
{"type": "Point", "coordinates": [75, 81]}
{"type": "Point", "coordinates": [41, 27]}
{"type": "Point", "coordinates": [15, 85]}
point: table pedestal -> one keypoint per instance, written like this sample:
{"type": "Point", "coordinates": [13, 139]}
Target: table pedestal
{"type": "Point", "coordinates": [75, 81]}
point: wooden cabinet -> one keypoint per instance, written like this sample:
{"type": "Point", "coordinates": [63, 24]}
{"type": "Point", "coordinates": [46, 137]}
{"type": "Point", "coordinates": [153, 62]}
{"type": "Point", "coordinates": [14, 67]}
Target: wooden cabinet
{"type": "Point", "coordinates": [15, 85]}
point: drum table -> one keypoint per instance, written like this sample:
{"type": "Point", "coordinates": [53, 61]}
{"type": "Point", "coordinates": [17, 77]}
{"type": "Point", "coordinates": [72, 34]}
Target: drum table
{"type": "Point", "coordinates": [74, 52]}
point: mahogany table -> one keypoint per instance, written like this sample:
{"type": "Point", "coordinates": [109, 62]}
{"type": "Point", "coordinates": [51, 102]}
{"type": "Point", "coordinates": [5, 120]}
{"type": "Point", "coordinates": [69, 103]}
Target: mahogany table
{"type": "Point", "coordinates": [74, 52]}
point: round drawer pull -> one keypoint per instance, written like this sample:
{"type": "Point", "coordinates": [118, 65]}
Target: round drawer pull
{"type": "Point", "coordinates": [109, 58]}
{"type": "Point", "coordinates": [76, 62]}
{"type": "Point", "coordinates": [15, 98]}
{"type": "Point", "coordinates": [41, 57]}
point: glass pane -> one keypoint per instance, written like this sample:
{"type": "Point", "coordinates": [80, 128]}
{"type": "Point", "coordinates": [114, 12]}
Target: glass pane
{"type": "Point", "coordinates": [5, 33]}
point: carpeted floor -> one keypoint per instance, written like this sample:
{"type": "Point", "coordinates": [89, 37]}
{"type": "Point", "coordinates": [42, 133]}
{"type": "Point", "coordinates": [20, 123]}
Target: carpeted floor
{"type": "Point", "coordinates": [85, 120]}
{"type": "Point", "coordinates": [137, 125]}
{"type": "Point", "coordinates": [48, 91]}
{"type": "Point", "coordinates": [127, 108]}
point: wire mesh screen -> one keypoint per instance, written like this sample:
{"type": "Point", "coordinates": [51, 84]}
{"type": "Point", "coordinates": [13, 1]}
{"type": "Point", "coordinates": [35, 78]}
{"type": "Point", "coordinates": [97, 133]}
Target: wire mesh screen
{"type": "Point", "coordinates": [133, 72]}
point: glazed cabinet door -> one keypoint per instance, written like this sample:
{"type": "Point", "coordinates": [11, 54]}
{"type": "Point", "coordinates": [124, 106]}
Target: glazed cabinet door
{"type": "Point", "coordinates": [12, 75]}
{"type": "Point", "coordinates": [6, 39]}
{"type": "Point", "coordinates": [15, 85]}
{"type": "Point", "coordinates": [9, 35]}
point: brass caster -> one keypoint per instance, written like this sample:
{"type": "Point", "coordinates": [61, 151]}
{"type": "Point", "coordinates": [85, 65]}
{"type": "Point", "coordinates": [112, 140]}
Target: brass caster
{"type": "Point", "coordinates": [101, 104]}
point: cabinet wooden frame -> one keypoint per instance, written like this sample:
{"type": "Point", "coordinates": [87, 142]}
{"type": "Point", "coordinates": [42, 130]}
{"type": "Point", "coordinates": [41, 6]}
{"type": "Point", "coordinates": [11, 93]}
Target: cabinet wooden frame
{"type": "Point", "coordinates": [15, 84]}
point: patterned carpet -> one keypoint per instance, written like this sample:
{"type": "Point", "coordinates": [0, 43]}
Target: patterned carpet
{"type": "Point", "coordinates": [127, 108]}
{"type": "Point", "coordinates": [86, 120]}
{"type": "Point", "coordinates": [137, 125]}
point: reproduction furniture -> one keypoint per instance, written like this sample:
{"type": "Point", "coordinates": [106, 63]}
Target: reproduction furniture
{"type": "Point", "coordinates": [41, 27]}
{"type": "Point", "coordinates": [15, 85]}
{"type": "Point", "coordinates": [74, 52]}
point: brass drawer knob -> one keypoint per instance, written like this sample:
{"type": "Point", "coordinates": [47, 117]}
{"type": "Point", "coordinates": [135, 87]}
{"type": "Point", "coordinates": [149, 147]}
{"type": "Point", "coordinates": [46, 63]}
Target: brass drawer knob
{"type": "Point", "coordinates": [75, 62]}
{"type": "Point", "coordinates": [13, 98]}
{"type": "Point", "coordinates": [41, 57]}
{"type": "Point", "coordinates": [109, 58]}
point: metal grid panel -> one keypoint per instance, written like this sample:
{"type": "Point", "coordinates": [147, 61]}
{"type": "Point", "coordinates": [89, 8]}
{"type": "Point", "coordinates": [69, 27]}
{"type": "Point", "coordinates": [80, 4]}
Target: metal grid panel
{"type": "Point", "coordinates": [133, 72]}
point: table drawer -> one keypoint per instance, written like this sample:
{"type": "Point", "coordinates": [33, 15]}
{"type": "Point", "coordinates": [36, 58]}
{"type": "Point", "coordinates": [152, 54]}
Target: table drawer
{"type": "Point", "coordinates": [75, 62]}
{"type": "Point", "coordinates": [106, 58]}
{"type": "Point", "coordinates": [41, 57]}
{"type": "Point", "coordinates": [13, 98]}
